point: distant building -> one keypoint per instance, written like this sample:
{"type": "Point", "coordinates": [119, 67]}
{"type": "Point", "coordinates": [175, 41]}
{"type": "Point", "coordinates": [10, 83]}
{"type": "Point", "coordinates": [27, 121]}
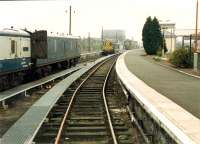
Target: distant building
{"type": "Point", "coordinates": [130, 44]}
{"type": "Point", "coordinates": [114, 35]}
{"type": "Point", "coordinates": [168, 29]}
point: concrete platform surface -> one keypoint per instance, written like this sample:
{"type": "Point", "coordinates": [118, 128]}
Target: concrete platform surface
{"type": "Point", "coordinates": [184, 90]}
{"type": "Point", "coordinates": [144, 80]}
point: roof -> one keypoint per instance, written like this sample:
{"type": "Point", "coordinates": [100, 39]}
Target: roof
{"type": "Point", "coordinates": [14, 32]}
{"type": "Point", "coordinates": [23, 33]}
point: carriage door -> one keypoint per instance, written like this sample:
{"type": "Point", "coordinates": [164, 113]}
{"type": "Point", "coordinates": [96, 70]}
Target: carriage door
{"type": "Point", "coordinates": [13, 48]}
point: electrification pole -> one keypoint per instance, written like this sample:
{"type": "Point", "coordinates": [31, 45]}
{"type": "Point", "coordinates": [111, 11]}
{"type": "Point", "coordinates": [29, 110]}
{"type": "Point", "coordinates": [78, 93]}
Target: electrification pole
{"type": "Point", "coordinates": [102, 38]}
{"type": "Point", "coordinates": [70, 20]}
{"type": "Point", "coordinates": [89, 46]}
{"type": "Point", "coordinates": [102, 34]}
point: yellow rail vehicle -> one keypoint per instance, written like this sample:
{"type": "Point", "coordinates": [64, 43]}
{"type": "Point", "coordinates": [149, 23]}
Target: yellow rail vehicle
{"type": "Point", "coordinates": [108, 47]}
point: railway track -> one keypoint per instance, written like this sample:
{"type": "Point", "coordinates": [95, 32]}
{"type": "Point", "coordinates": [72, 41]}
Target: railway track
{"type": "Point", "coordinates": [19, 103]}
{"type": "Point", "coordinates": [89, 113]}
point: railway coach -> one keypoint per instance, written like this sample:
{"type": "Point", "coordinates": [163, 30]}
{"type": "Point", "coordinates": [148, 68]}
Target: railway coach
{"type": "Point", "coordinates": [26, 56]}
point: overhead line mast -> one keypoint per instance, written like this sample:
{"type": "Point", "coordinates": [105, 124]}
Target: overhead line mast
{"type": "Point", "coordinates": [70, 20]}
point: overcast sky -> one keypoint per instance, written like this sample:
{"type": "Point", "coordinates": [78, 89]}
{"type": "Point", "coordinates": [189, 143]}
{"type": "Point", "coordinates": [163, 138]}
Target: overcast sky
{"type": "Point", "coordinates": [91, 15]}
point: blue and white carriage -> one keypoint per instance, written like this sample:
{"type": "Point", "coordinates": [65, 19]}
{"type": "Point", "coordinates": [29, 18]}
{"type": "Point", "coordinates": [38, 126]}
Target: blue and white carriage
{"type": "Point", "coordinates": [25, 55]}
{"type": "Point", "coordinates": [15, 50]}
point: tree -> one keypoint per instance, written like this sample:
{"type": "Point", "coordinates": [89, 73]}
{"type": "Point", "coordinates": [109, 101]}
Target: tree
{"type": "Point", "coordinates": [152, 36]}
{"type": "Point", "coordinates": [146, 33]}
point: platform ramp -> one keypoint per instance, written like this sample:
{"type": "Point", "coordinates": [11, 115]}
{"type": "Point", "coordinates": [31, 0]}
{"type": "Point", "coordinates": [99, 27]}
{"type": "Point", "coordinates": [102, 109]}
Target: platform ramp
{"type": "Point", "coordinates": [25, 87]}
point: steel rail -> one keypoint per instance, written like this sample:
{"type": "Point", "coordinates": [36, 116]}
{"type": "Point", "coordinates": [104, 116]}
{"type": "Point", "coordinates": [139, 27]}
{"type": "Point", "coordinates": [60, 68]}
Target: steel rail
{"type": "Point", "coordinates": [106, 106]}
{"type": "Point", "coordinates": [57, 140]}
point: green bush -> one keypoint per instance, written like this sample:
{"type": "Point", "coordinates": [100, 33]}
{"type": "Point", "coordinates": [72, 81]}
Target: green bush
{"type": "Point", "coordinates": [159, 52]}
{"type": "Point", "coordinates": [180, 58]}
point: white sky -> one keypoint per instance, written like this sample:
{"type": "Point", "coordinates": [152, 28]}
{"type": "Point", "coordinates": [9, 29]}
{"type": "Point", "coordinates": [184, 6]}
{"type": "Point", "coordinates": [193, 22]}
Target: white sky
{"type": "Point", "coordinates": [91, 15]}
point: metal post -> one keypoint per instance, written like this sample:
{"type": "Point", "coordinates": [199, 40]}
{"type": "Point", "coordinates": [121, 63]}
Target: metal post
{"type": "Point", "coordinates": [190, 50]}
{"type": "Point", "coordinates": [116, 37]}
{"type": "Point", "coordinates": [102, 35]}
{"type": "Point", "coordinates": [171, 41]}
{"type": "Point", "coordinates": [196, 39]}
{"type": "Point", "coordinates": [163, 50]}
{"type": "Point", "coordinates": [197, 50]}
{"type": "Point", "coordinates": [89, 42]}
{"type": "Point", "coordinates": [102, 38]}
{"type": "Point", "coordinates": [5, 106]}
{"type": "Point", "coordinates": [26, 95]}
{"type": "Point", "coordinates": [70, 19]}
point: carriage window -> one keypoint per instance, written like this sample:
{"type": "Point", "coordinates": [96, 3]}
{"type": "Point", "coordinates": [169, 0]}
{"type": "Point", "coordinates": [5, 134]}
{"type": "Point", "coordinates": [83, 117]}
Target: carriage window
{"type": "Point", "coordinates": [25, 48]}
{"type": "Point", "coordinates": [12, 46]}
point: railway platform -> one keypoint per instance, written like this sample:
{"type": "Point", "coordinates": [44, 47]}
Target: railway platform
{"type": "Point", "coordinates": [161, 97]}
{"type": "Point", "coordinates": [184, 90]}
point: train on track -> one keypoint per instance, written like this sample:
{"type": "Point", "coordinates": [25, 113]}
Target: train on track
{"type": "Point", "coordinates": [110, 47]}
{"type": "Point", "coordinates": [25, 55]}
